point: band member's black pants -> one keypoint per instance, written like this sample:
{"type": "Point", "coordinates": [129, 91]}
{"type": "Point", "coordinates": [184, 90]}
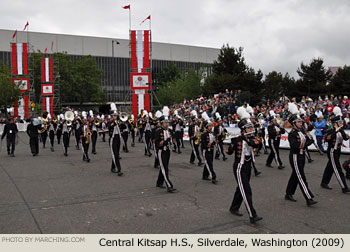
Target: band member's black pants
{"type": "Point", "coordinates": [195, 152]}
{"type": "Point", "coordinates": [274, 153]}
{"type": "Point", "coordinates": [243, 192]}
{"type": "Point", "coordinates": [77, 138]}
{"type": "Point", "coordinates": [44, 137]}
{"type": "Point", "coordinates": [178, 140]}
{"type": "Point", "coordinates": [208, 169]}
{"type": "Point", "coordinates": [163, 176]}
{"type": "Point", "coordinates": [147, 135]}
{"type": "Point", "coordinates": [65, 142]}
{"type": "Point", "coordinates": [115, 145]}
{"type": "Point", "coordinates": [85, 147]}
{"type": "Point", "coordinates": [34, 145]}
{"type": "Point", "coordinates": [11, 143]}
{"type": "Point", "coordinates": [52, 138]}
{"type": "Point", "coordinates": [125, 141]}
{"type": "Point", "coordinates": [333, 166]}
{"type": "Point", "coordinates": [297, 162]}
{"type": "Point", "coordinates": [93, 141]}
{"type": "Point", "coordinates": [220, 149]}
{"type": "Point", "coordinates": [59, 134]}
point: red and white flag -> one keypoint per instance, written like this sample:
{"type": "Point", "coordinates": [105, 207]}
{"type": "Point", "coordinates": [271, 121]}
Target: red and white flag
{"type": "Point", "coordinates": [126, 7]}
{"type": "Point", "coordinates": [25, 27]}
{"type": "Point", "coordinates": [19, 57]}
{"type": "Point", "coordinates": [46, 70]}
{"type": "Point", "coordinates": [14, 35]}
{"type": "Point", "coordinates": [149, 17]}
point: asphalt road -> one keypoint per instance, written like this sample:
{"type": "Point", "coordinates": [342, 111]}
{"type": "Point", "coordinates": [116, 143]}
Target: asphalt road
{"type": "Point", "coordinates": [52, 193]}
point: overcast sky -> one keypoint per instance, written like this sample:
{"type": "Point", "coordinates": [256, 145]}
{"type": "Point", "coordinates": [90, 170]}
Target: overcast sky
{"type": "Point", "coordinates": [275, 34]}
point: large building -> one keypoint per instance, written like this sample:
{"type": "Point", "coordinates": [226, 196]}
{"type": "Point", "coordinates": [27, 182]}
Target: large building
{"type": "Point", "coordinates": [112, 55]}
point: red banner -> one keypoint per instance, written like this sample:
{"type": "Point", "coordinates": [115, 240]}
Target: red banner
{"type": "Point", "coordinates": [133, 51]}
{"type": "Point", "coordinates": [26, 106]}
{"type": "Point", "coordinates": [147, 102]}
{"type": "Point", "coordinates": [146, 51]}
{"type": "Point", "coordinates": [14, 58]}
{"type": "Point", "coordinates": [25, 58]}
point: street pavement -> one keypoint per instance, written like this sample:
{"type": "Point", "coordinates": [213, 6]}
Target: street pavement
{"type": "Point", "coordinates": [51, 193]}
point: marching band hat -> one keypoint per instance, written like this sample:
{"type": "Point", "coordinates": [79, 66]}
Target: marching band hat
{"type": "Point", "coordinates": [335, 119]}
{"type": "Point", "coordinates": [294, 118]}
{"type": "Point", "coordinates": [245, 123]}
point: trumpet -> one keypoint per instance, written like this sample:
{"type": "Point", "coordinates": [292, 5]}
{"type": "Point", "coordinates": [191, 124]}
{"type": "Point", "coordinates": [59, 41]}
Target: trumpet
{"type": "Point", "coordinates": [96, 122]}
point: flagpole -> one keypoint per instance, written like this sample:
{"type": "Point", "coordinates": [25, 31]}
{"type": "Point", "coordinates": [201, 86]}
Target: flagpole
{"type": "Point", "coordinates": [129, 19]}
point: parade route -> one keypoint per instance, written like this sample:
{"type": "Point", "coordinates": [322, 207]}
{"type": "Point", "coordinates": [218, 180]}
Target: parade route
{"type": "Point", "coordinates": [52, 193]}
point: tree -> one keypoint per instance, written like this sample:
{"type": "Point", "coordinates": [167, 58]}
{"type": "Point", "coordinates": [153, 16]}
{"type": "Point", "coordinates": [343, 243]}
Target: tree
{"type": "Point", "coordinates": [340, 82]}
{"type": "Point", "coordinates": [275, 85]}
{"type": "Point", "coordinates": [8, 93]}
{"type": "Point", "coordinates": [187, 86]}
{"type": "Point", "coordinates": [313, 78]}
{"type": "Point", "coordinates": [231, 72]}
{"type": "Point", "coordinates": [86, 81]}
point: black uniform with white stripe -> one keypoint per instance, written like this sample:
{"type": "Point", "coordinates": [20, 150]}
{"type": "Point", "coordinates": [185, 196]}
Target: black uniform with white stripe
{"type": "Point", "coordinates": [192, 132]}
{"type": "Point", "coordinates": [219, 135]}
{"type": "Point", "coordinates": [52, 131]}
{"type": "Point", "coordinates": [115, 146]}
{"type": "Point", "coordinates": [85, 140]}
{"type": "Point", "coordinates": [10, 131]}
{"type": "Point", "coordinates": [65, 132]}
{"type": "Point", "coordinates": [162, 142]}
{"type": "Point", "coordinates": [297, 161]}
{"type": "Point", "coordinates": [242, 166]}
{"type": "Point", "coordinates": [147, 132]}
{"type": "Point", "coordinates": [335, 138]}
{"type": "Point", "coordinates": [207, 146]}
{"type": "Point", "coordinates": [274, 131]}
{"type": "Point", "coordinates": [94, 129]}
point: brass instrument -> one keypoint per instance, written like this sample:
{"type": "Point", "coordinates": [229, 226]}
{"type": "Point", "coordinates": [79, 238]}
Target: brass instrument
{"type": "Point", "coordinates": [124, 117]}
{"type": "Point", "coordinates": [88, 134]}
{"type": "Point", "coordinates": [96, 122]}
{"type": "Point", "coordinates": [69, 117]}
{"type": "Point", "coordinates": [43, 129]}
{"type": "Point", "coordinates": [199, 134]}
{"type": "Point", "coordinates": [44, 120]}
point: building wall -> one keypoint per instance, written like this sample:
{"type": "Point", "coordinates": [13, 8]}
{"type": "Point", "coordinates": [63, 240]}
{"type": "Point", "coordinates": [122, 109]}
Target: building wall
{"type": "Point", "coordinates": [117, 68]}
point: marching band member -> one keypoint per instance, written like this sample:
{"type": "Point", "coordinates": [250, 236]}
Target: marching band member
{"type": "Point", "coordinates": [193, 131]}
{"type": "Point", "coordinates": [335, 137]}
{"type": "Point", "coordinates": [52, 131]}
{"type": "Point", "coordinates": [140, 127]}
{"type": "Point", "coordinates": [132, 128]}
{"type": "Point", "coordinates": [307, 127]}
{"type": "Point", "coordinates": [154, 133]}
{"type": "Point", "coordinates": [207, 146]}
{"type": "Point", "coordinates": [219, 131]}
{"type": "Point", "coordinates": [177, 123]}
{"type": "Point", "coordinates": [298, 143]}
{"type": "Point", "coordinates": [162, 141]}
{"type": "Point", "coordinates": [261, 132]}
{"type": "Point", "coordinates": [33, 133]}
{"type": "Point", "coordinates": [43, 131]}
{"type": "Point", "coordinates": [103, 128]}
{"type": "Point", "coordinates": [275, 132]}
{"type": "Point", "coordinates": [115, 134]}
{"type": "Point", "coordinates": [94, 126]}
{"type": "Point", "coordinates": [124, 127]}
{"type": "Point", "coordinates": [10, 131]}
{"type": "Point", "coordinates": [147, 137]}
{"type": "Point", "coordinates": [243, 146]}
{"type": "Point", "coordinates": [85, 139]}
{"type": "Point", "coordinates": [77, 125]}
{"type": "Point", "coordinates": [65, 131]}
{"type": "Point", "coordinates": [59, 131]}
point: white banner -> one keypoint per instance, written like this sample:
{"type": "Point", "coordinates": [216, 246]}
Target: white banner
{"type": "Point", "coordinates": [284, 139]}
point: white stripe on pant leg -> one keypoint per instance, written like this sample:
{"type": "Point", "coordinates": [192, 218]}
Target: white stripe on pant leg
{"type": "Point", "coordinates": [335, 169]}
{"type": "Point", "coordinates": [241, 188]}
{"type": "Point", "coordinates": [307, 154]}
{"type": "Point", "coordinates": [162, 167]}
{"type": "Point", "coordinates": [194, 151]}
{"type": "Point", "coordinates": [144, 140]}
{"type": "Point", "coordinates": [303, 185]}
{"type": "Point", "coordinates": [113, 157]}
{"type": "Point", "coordinates": [206, 164]}
{"type": "Point", "coordinates": [83, 149]}
{"type": "Point", "coordinates": [274, 151]}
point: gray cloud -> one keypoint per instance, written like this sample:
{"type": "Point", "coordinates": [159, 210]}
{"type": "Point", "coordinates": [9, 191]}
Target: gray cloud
{"type": "Point", "coordinates": [276, 35]}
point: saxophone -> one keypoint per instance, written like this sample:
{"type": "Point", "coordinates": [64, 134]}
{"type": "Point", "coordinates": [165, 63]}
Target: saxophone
{"type": "Point", "coordinates": [88, 134]}
{"type": "Point", "coordinates": [199, 134]}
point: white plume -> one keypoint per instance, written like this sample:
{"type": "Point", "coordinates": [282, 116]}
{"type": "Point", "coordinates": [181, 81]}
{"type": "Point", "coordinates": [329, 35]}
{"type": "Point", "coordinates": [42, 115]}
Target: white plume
{"type": "Point", "coordinates": [91, 113]}
{"type": "Point", "coordinates": [194, 113]}
{"type": "Point", "coordinates": [158, 114]}
{"type": "Point", "coordinates": [166, 112]}
{"type": "Point", "coordinates": [113, 107]}
{"type": "Point", "coordinates": [337, 111]}
{"type": "Point", "coordinates": [292, 108]}
{"type": "Point", "coordinates": [217, 115]}
{"type": "Point", "coordinates": [242, 113]}
{"type": "Point", "coordinates": [249, 109]}
{"type": "Point", "coordinates": [205, 116]}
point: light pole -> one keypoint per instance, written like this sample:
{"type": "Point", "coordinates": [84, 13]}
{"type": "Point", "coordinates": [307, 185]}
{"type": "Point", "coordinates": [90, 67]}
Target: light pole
{"type": "Point", "coordinates": [114, 84]}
